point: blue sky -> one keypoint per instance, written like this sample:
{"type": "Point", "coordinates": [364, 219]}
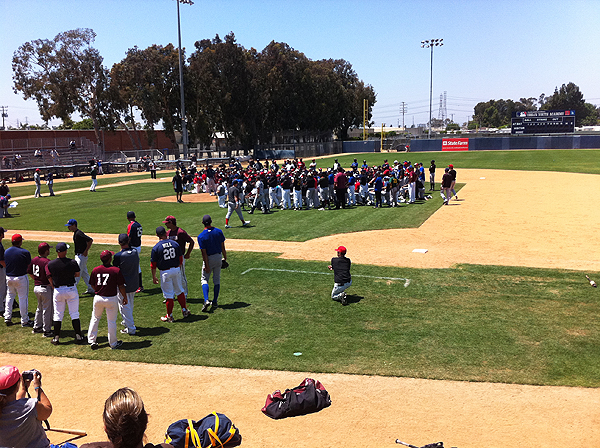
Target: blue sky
{"type": "Point", "coordinates": [492, 49]}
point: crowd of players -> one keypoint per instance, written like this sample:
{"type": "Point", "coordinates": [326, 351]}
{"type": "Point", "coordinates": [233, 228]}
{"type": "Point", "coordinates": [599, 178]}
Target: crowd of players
{"type": "Point", "coordinates": [294, 186]}
{"type": "Point", "coordinates": [113, 283]}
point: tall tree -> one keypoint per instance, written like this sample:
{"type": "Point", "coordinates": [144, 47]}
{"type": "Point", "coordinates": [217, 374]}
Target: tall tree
{"type": "Point", "coordinates": [149, 80]}
{"type": "Point", "coordinates": [568, 97]}
{"type": "Point", "coordinates": [63, 75]}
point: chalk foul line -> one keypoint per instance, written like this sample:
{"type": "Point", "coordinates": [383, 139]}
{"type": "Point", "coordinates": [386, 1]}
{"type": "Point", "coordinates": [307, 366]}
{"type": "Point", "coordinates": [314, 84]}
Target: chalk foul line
{"type": "Point", "coordinates": [406, 280]}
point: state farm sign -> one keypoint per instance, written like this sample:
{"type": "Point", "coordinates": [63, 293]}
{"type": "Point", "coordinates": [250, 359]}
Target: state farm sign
{"type": "Point", "coordinates": [455, 144]}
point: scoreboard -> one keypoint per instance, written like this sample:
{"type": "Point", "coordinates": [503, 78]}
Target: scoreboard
{"type": "Point", "coordinates": [543, 122]}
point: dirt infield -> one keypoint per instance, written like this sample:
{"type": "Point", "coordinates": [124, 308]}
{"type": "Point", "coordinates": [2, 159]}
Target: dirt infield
{"type": "Point", "coordinates": [535, 219]}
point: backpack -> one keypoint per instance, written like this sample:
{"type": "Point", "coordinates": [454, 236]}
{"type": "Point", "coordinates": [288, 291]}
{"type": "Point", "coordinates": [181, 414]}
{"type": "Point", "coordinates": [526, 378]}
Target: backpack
{"type": "Point", "coordinates": [310, 396]}
{"type": "Point", "coordinates": [214, 430]}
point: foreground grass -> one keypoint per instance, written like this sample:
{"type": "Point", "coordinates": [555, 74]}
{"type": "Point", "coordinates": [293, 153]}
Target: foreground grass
{"type": "Point", "coordinates": [471, 323]}
{"type": "Point", "coordinates": [105, 212]}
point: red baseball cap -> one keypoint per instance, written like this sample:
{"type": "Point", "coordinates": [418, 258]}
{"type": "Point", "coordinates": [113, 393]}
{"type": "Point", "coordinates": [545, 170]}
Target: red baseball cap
{"type": "Point", "coordinates": [451, 166]}
{"type": "Point", "coordinates": [9, 376]}
{"type": "Point", "coordinates": [16, 238]}
{"type": "Point", "coordinates": [106, 255]}
{"type": "Point", "coordinates": [170, 219]}
{"type": "Point", "coordinates": [43, 247]}
{"type": "Point", "coordinates": [341, 249]}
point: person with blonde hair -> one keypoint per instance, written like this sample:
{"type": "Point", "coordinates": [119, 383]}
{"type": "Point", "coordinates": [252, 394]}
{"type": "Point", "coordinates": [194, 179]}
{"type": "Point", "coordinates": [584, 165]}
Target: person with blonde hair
{"type": "Point", "coordinates": [125, 421]}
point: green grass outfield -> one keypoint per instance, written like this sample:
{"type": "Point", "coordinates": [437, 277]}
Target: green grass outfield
{"type": "Point", "coordinates": [474, 323]}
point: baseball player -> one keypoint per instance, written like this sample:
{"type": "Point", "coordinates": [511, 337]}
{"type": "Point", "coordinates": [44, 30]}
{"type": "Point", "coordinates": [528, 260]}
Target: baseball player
{"type": "Point", "coordinates": [128, 261]}
{"type": "Point", "coordinates": [212, 244]}
{"type": "Point", "coordinates": [234, 204]}
{"type": "Point", "coordinates": [82, 247]}
{"type": "Point", "coordinates": [42, 291]}
{"type": "Point", "coordinates": [167, 257]}
{"type": "Point", "coordinates": [63, 272]}
{"type": "Point", "coordinates": [17, 283]}
{"type": "Point", "coordinates": [50, 182]}
{"type": "Point", "coordinates": [181, 236]}
{"type": "Point", "coordinates": [432, 176]}
{"type": "Point", "coordinates": [37, 178]}
{"type": "Point", "coordinates": [340, 266]}
{"type": "Point", "coordinates": [446, 186]}
{"type": "Point", "coordinates": [134, 231]}
{"type": "Point", "coordinates": [2, 270]}
{"type": "Point", "coordinates": [94, 174]}
{"type": "Point", "coordinates": [452, 173]}
{"type": "Point", "coordinates": [106, 280]}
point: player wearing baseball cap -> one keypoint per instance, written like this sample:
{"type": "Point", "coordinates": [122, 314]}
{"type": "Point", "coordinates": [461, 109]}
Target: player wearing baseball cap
{"type": "Point", "coordinates": [82, 244]}
{"type": "Point", "coordinates": [212, 245]}
{"type": "Point", "coordinates": [340, 266]}
{"type": "Point", "coordinates": [42, 291]}
{"type": "Point", "coordinates": [128, 260]}
{"type": "Point", "coordinates": [166, 256]}
{"type": "Point", "coordinates": [106, 280]}
{"type": "Point", "coordinates": [37, 179]}
{"type": "Point", "coordinates": [2, 271]}
{"type": "Point", "coordinates": [62, 273]}
{"type": "Point", "coordinates": [181, 236]}
{"type": "Point", "coordinates": [17, 283]}
{"type": "Point", "coordinates": [134, 231]}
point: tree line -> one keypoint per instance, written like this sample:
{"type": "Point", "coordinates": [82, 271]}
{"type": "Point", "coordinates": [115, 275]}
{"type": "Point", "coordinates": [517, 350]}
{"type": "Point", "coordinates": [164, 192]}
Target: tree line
{"type": "Point", "coordinates": [247, 95]}
{"type": "Point", "coordinates": [498, 113]}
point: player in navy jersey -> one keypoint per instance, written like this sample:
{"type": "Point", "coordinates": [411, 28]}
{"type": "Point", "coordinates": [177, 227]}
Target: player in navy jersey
{"type": "Point", "coordinates": [17, 282]}
{"type": "Point", "coordinates": [134, 231]}
{"type": "Point", "coordinates": [166, 256]}
{"type": "Point", "coordinates": [106, 280]}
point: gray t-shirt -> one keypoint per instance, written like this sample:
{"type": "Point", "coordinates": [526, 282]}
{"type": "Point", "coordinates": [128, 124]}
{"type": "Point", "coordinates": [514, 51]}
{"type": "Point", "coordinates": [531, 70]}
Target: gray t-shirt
{"type": "Point", "coordinates": [128, 261]}
{"type": "Point", "coordinates": [19, 426]}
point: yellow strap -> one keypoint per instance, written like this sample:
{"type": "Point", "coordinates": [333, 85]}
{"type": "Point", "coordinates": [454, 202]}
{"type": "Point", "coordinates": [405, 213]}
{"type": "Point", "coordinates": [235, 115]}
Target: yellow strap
{"type": "Point", "coordinates": [214, 438]}
{"type": "Point", "coordinates": [195, 438]}
{"type": "Point", "coordinates": [231, 434]}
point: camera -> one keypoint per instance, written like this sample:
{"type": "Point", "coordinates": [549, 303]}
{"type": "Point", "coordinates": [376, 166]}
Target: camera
{"type": "Point", "coordinates": [28, 375]}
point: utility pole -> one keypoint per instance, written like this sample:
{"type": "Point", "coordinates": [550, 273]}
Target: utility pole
{"type": "Point", "coordinates": [184, 134]}
{"type": "Point", "coordinates": [4, 114]}
{"type": "Point", "coordinates": [403, 110]}
{"type": "Point", "coordinates": [382, 125]}
{"type": "Point", "coordinates": [365, 113]}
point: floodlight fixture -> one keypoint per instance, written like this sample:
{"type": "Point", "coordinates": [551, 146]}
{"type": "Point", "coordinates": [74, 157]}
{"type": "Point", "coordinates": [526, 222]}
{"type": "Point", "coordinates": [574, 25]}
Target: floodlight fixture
{"type": "Point", "coordinates": [430, 44]}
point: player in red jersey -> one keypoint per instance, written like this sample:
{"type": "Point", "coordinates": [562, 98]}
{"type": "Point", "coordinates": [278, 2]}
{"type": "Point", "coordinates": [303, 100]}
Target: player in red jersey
{"type": "Point", "coordinates": [105, 279]}
{"type": "Point", "coordinates": [42, 290]}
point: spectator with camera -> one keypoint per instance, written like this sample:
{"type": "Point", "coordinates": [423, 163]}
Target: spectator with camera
{"type": "Point", "coordinates": [21, 417]}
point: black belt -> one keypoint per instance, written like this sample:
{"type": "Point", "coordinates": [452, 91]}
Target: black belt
{"type": "Point", "coordinates": [69, 285]}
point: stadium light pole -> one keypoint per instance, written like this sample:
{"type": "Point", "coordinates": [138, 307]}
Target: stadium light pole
{"type": "Point", "coordinates": [430, 44]}
{"type": "Point", "coordinates": [184, 134]}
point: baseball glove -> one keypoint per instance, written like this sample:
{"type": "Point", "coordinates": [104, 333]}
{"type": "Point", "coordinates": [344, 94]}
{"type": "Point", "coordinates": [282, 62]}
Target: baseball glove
{"type": "Point", "coordinates": [224, 264]}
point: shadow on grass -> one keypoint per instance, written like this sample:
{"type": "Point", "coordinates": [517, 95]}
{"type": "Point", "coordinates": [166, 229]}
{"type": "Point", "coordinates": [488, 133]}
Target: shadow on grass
{"type": "Point", "coordinates": [150, 331]}
{"type": "Point", "coordinates": [234, 305]}
{"type": "Point", "coordinates": [352, 298]}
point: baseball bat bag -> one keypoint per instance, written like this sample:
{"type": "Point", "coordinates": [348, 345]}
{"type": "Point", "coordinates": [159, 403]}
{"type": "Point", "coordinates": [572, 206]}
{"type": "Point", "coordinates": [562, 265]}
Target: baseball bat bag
{"type": "Point", "coordinates": [310, 396]}
{"type": "Point", "coordinates": [214, 430]}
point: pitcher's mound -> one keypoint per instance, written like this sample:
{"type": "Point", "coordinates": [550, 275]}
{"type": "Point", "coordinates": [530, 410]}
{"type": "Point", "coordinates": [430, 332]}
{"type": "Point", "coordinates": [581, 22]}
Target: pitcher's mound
{"type": "Point", "coordinates": [189, 197]}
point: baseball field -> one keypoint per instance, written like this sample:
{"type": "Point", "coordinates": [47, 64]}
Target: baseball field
{"type": "Point", "coordinates": [487, 336]}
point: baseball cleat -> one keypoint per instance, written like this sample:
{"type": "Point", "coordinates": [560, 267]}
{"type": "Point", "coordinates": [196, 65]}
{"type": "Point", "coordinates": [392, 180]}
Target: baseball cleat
{"type": "Point", "coordinates": [27, 324]}
{"type": "Point", "coordinates": [55, 340]}
{"type": "Point", "coordinates": [167, 318]}
{"type": "Point", "coordinates": [186, 312]}
{"type": "Point", "coordinates": [79, 339]}
{"type": "Point", "coordinates": [206, 306]}
{"type": "Point", "coordinates": [37, 330]}
{"type": "Point", "coordinates": [118, 344]}
{"type": "Point", "coordinates": [344, 302]}
{"type": "Point", "coordinates": [227, 226]}
{"type": "Point", "coordinates": [94, 346]}
{"type": "Point", "coordinates": [246, 223]}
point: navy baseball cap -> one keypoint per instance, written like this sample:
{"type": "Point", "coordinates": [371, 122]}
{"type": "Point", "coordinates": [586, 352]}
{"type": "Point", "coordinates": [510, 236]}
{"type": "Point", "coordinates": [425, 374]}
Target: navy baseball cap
{"type": "Point", "coordinates": [61, 247]}
{"type": "Point", "coordinates": [130, 215]}
{"type": "Point", "coordinates": [206, 219]}
{"type": "Point", "coordinates": [124, 238]}
{"type": "Point", "coordinates": [71, 222]}
{"type": "Point", "coordinates": [160, 230]}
